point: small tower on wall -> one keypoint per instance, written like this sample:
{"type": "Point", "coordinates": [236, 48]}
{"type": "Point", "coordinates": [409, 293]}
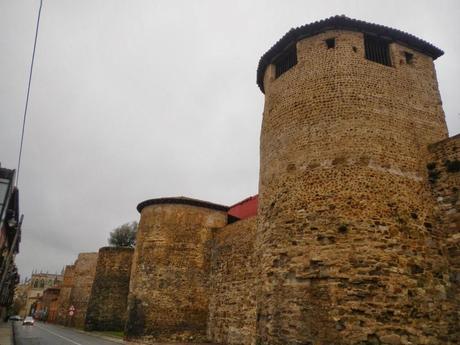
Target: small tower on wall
{"type": "Point", "coordinates": [349, 247]}
{"type": "Point", "coordinates": [168, 293]}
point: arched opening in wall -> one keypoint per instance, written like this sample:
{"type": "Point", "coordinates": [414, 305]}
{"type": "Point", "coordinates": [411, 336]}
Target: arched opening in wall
{"type": "Point", "coordinates": [42, 283]}
{"type": "Point", "coordinates": [35, 284]}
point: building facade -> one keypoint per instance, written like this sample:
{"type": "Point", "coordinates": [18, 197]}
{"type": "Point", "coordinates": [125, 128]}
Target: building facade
{"type": "Point", "coordinates": [10, 237]}
{"type": "Point", "coordinates": [35, 287]}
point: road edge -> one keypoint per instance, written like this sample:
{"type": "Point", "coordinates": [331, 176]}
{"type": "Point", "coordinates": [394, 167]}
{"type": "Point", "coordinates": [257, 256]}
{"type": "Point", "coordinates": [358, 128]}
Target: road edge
{"type": "Point", "coordinates": [13, 334]}
{"type": "Point", "coordinates": [92, 334]}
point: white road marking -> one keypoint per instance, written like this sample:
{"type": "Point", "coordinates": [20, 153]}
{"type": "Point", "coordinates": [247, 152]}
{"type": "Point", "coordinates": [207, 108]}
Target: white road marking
{"type": "Point", "coordinates": [58, 335]}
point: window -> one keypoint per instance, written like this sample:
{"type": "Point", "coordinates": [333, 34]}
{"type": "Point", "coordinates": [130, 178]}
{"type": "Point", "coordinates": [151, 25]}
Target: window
{"type": "Point", "coordinates": [330, 43]}
{"type": "Point", "coordinates": [286, 61]}
{"type": "Point", "coordinates": [409, 58]}
{"type": "Point", "coordinates": [377, 50]}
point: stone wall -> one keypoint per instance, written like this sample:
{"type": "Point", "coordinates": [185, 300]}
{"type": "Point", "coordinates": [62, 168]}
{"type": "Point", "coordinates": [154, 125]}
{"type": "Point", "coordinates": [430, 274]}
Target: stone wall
{"type": "Point", "coordinates": [345, 253]}
{"type": "Point", "coordinates": [169, 294]}
{"type": "Point", "coordinates": [49, 305]}
{"type": "Point", "coordinates": [232, 309]}
{"type": "Point", "coordinates": [108, 302]}
{"type": "Point", "coordinates": [64, 295]}
{"type": "Point", "coordinates": [357, 237]}
{"type": "Point", "coordinates": [444, 175]}
{"type": "Point", "coordinates": [84, 272]}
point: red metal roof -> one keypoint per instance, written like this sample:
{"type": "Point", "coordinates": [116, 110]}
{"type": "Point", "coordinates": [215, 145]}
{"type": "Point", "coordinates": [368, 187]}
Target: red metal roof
{"type": "Point", "coordinates": [245, 208]}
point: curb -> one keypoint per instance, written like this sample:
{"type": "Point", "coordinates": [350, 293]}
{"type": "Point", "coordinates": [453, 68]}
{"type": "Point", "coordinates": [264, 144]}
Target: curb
{"type": "Point", "coordinates": [101, 336]}
{"type": "Point", "coordinates": [13, 334]}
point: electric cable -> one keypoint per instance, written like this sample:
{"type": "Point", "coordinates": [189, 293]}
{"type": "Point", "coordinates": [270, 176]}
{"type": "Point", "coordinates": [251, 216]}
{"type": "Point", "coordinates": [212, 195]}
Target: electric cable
{"type": "Point", "coordinates": [28, 93]}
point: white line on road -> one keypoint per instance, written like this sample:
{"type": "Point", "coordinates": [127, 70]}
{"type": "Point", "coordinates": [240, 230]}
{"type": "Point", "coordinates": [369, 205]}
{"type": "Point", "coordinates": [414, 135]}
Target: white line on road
{"type": "Point", "coordinates": [58, 335]}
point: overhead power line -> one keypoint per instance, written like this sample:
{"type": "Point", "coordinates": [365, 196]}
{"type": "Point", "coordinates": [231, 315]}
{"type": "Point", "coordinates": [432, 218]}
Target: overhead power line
{"type": "Point", "coordinates": [28, 92]}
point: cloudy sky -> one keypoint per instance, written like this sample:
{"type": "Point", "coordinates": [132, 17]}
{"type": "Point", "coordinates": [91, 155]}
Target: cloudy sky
{"type": "Point", "coordinates": [139, 99]}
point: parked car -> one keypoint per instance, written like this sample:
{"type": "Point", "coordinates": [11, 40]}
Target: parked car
{"type": "Point", "coordinates": [15, 318]}
{"type": "Point", "coordinates": [29, 320]}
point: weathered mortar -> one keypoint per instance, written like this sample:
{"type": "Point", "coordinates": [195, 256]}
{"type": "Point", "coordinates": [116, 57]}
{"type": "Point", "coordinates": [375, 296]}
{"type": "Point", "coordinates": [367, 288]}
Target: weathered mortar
{"type": "Point", "coordinates": [232, 308]}
{"type": "Point", "coordinates": [85, 270]}
{"type": "Point", "coordinates": [345, 254]}
{"type": "Point", "coordinates": [168, 298]}
{"type": "Point", "coordinates": [64, 295]}
{"type": "Point", "coordinates": [444, 175]}
{"type": "Point", "coordinates": [108, 301]}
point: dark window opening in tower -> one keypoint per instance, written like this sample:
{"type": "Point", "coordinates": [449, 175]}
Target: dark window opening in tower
{"type": "Point", "coordinates": [377, 50]}
{"type": "Point", "coordinates": [409, 58]}
{"type": "Point", "coordinates": [286, 61]}
{"type": "Point", "coordinates": [330, 42]}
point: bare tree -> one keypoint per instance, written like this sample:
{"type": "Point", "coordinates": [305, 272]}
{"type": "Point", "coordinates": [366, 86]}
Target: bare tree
{"type": "Point", "coordinates": [124, 235]}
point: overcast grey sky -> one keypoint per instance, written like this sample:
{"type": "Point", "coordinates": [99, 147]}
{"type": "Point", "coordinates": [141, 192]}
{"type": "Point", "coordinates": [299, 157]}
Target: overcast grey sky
{"type": "Point", "coordinates": [133, 100]}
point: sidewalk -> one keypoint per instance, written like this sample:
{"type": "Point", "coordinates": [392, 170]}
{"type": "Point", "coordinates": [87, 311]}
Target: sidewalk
{"type": "Point", "coordinates": [6, 333]}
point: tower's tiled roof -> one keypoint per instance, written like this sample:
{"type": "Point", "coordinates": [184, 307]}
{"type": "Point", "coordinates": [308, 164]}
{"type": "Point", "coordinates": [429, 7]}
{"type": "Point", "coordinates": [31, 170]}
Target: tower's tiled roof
{"type": "Point", "coordinates": [342, 23]}
{"type": "Point", "coordinates": [182, 201]}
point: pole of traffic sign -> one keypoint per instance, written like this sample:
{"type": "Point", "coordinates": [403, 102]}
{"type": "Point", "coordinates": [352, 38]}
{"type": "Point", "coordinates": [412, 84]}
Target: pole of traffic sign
{"type": "Point", "coordinates": [71, 314]}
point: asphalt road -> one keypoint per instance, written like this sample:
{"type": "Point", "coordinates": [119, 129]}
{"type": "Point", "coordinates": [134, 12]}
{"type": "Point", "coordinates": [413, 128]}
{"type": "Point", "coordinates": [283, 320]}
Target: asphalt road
{"type": "Point", "coordinates": [47, 334]}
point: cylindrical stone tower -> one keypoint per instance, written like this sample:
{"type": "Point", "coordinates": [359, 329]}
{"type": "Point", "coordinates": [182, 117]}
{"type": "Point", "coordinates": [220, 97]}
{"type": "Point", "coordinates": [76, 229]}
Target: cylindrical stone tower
{"type": "Point", "coordinates": [346, 236]}
{"type": "Point", "coordinates": [85, 271]}
{"type": "Point", "coordinates": [108, 301]}
{"type": "Point", "coordinates": [168, 298]}
{"type": "Point", "coordinates": [64, 295]}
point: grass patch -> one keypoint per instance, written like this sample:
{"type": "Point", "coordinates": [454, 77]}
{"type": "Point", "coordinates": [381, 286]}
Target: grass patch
{"type": "Point", "coordinates": [114, 334]}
